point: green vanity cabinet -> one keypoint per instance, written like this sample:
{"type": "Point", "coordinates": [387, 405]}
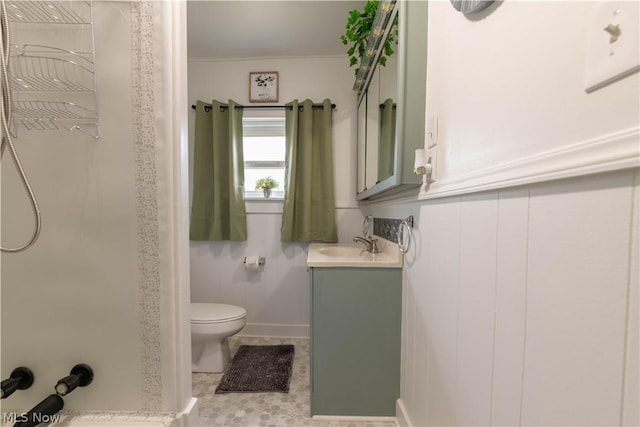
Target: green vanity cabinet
{"type": "Point", "coordinates": [355, 340]}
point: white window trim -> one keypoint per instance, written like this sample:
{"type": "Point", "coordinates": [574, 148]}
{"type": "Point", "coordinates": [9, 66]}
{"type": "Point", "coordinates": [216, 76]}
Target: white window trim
{"type": "Point", "coordinates": [259, 195]}
{"type": "Point", "coordinates": [264, 126]}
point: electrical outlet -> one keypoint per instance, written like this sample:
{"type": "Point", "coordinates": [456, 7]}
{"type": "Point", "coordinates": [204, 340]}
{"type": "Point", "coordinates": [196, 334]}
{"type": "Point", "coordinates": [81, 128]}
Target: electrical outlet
{"type": "Point", "coordinates": [614, 45]}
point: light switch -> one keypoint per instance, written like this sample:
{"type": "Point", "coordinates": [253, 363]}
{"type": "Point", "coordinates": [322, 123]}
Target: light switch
{"type": "Point", "coordinates": [613, 50]}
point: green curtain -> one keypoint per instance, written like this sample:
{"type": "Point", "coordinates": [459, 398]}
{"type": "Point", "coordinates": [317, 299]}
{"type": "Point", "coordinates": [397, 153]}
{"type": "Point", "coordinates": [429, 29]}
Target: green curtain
{"type": "Point", "coordinates": [387, 139]}
{"type": "Point", "coordinates": [218, 210]}
{"type": "Point", "coordinates": [309, 204]}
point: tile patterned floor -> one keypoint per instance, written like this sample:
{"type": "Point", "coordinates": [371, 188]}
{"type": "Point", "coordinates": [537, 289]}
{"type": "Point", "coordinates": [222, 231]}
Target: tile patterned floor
{"type": "Point", "coordinates": [265, 409]}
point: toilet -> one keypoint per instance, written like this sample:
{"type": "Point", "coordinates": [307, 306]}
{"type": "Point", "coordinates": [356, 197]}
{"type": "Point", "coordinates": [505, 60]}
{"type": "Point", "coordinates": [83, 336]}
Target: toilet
{"type": "Point", "coordinates": [211, 325]}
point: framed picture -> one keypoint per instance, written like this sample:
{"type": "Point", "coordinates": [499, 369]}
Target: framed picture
{"type": "Point", "coordinates": [263, 86]}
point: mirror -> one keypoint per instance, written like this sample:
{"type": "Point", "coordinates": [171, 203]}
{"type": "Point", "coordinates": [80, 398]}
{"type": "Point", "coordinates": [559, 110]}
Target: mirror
{"type": "Point", "coordinates": [377, 127]}
{"type": "Point", "coordinates": [394, 98]}
{"type": "Point", "coordinates": [371, 153]}
{"type": "Point", "coordinates": [387, 109]}
{"type": "Point", "coordinates": [362, 141]}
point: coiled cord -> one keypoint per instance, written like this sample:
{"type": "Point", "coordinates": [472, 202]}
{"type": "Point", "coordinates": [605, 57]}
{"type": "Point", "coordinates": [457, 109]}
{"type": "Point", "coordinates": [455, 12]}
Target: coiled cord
{"type": "Point", "coordinates": [5, 118]}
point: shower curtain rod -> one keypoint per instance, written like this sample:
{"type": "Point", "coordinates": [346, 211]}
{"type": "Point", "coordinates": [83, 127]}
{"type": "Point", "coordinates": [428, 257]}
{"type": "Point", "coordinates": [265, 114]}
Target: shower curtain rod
{"type": "Point", "coordinates": [207, 107]}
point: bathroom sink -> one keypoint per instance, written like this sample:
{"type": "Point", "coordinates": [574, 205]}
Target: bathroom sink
{"type": "Point", "coordinates": [354, 255]}
{"type": "Point", "coordinates": [342, 251]}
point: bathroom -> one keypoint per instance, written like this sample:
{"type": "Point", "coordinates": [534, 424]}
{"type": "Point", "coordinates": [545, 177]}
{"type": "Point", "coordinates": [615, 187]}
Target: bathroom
{"type": "Point", "coordinates": [519, 290]}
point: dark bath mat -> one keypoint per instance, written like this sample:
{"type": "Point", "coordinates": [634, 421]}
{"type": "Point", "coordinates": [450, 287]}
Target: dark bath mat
{"type": "Point", "coordinates": [256, 368]}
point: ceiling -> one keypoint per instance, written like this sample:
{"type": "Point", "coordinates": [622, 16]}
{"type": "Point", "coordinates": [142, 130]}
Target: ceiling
{"type": "Point", "coordinates": [263, 29]}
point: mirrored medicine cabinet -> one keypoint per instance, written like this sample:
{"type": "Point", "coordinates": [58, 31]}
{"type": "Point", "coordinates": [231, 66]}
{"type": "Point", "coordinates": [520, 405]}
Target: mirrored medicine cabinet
{"type": "Point", "coordinates": [391, 103]}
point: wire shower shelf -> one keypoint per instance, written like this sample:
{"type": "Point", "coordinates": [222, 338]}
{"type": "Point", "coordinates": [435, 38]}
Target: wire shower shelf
{"type": "Point", "coordinates": [44, 72]}
{"type": "Point", "coordinates": [50, 12]}
{"type": "Point", "coordinates": [65, 78]}
{"type": "Point", "coordinates": [55, 115]}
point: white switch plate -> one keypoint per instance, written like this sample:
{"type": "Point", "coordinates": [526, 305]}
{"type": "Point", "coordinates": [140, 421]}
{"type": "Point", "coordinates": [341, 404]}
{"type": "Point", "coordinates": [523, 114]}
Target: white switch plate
{"type": "Point", "coordinates": [608, 60]}
{"type": "Point", "coordinates": [432, 130]}
{"type": "Point", "coordinates": [432, 158]}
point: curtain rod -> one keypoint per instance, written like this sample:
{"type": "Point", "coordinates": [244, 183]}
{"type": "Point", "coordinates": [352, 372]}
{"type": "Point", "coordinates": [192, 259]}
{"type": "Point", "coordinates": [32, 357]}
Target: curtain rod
{"type": "Point", "coordinates": [207, 107]}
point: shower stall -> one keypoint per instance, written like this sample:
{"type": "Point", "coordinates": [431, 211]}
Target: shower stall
{"type": "Point", "coordinates": [97, 100]}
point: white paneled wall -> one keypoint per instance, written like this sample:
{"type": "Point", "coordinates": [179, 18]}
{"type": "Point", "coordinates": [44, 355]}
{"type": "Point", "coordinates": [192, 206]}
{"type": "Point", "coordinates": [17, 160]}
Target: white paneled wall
{"type": "Point", "coordinates": [630, 408]}
{"type": "Point", "coordinates": [510, 303]}
{"type": "Point", "coordinates": [521, 306]}
{"type": "Point", "coordinates": [578, 277]}
{"type": "Point", "coordinates": [476, 308]}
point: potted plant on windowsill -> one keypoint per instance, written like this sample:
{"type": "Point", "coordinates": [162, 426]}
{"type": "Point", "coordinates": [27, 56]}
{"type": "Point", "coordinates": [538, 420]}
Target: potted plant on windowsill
{"type": "Point", "coordinates": [266, 185]}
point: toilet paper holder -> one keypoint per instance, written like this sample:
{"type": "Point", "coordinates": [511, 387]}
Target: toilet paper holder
{"type": "Point", "coordinates": [261, 260]}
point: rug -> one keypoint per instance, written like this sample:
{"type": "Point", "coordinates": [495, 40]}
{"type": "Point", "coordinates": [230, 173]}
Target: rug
{"type": "Point", "coordinates": [258, 368]}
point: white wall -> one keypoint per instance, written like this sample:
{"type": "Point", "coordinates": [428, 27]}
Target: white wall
{"type": "Point", "coordinates": [520, 304]}
{"type": "Point", "coordinates": [276, 299]}
{"type": "Point", "coordinates": [509, 94]}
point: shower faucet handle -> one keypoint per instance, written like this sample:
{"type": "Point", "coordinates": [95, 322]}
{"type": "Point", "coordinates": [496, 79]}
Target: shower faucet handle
{"type": "Point", "coordinates": [21, 379]}
{"type": "Point", "coordinates": [81, 375]}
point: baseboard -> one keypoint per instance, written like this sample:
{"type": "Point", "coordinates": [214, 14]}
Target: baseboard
{"type": "Point", "coordinates": [189, 416]}
{"type": "Point", "coordinates": [352, 419]}
{"type": "Point", "coordinates": [275, 330]}
{"type": "Point", "coordinates": [402, 417]}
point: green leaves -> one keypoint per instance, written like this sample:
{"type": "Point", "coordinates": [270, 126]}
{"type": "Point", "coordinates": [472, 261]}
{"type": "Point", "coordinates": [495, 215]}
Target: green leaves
{"type": "Point", "coordinates": [354, 15]}
{"type": "Point", "coordinates": [359, 24]}
{"type": "Point", "coordinates": [266, 183]}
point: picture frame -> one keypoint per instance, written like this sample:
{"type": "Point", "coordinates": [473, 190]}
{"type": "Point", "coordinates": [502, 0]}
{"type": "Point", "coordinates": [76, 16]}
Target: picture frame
{"type": "Point", "coordinates": [263, 86]}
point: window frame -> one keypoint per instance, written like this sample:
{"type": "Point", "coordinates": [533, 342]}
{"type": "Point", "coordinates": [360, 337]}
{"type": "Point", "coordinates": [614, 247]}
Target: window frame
{"type": "Point", "coordinates": [264, 124]}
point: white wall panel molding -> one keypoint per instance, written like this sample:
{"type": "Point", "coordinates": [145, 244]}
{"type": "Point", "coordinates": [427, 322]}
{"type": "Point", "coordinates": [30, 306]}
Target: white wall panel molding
{"type": "Point", "coordinates": [511, 300]}
{"type": "Point", "coordinates": [630, 407]}
{"type": "Point", "coordinates": [615, 151]}
{"type": "Point", "coordinates": [518, 304]}
{"type": "Point", "coordinates": [437, 268]}
{"type": "Point", "coordinates": [476, 308]}
{"type": "Point", "coordinates": [577, 291]}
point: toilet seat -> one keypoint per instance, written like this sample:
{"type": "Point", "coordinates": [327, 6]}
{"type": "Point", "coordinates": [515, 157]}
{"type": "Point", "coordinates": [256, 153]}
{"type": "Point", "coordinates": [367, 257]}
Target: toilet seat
{"type": "Point", "coordinates": [208, 313]}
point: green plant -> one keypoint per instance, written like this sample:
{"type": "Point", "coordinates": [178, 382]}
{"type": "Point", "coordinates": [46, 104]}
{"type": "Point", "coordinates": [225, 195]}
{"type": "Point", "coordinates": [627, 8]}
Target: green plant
{"type": "Point", "coordinates": [266, 183]}
{"type": "Point", "coordinates": [357, 32]}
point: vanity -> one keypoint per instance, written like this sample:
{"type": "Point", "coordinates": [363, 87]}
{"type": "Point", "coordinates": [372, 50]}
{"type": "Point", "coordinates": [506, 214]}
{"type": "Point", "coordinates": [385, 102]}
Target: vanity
{"type": "Point", "coordinates": [356, 311]}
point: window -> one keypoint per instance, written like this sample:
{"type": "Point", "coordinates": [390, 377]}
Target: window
{"type": "Point", "coordinates": [264, 151]}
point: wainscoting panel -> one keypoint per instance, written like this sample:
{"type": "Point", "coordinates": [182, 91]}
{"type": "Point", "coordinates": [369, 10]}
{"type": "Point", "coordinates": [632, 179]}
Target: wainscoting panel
{"type": "Point", "coordinates": [520, 305]}
{"type": "Point", "coordinates": [511, 299]}
{"type": "Point", "coordinates": [438, 222]}
{"type": "Point", "coordinates": [630, 409]}
{"type": "Point", "coordinates": [577, 301]}
{"type": "Point", "coordinates": [476, 308]}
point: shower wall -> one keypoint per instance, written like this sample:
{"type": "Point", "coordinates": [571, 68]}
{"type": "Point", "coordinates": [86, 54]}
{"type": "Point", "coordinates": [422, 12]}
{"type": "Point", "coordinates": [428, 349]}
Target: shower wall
{"type": "Point", "coordinates": [94, 285]}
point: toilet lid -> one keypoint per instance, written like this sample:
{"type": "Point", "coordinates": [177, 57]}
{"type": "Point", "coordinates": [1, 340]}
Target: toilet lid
{"type": "Point", "coordinates": [215, 313]}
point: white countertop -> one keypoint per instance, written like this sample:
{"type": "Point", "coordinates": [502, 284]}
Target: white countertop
{"type": "Point", "coordinates": [354, 255]}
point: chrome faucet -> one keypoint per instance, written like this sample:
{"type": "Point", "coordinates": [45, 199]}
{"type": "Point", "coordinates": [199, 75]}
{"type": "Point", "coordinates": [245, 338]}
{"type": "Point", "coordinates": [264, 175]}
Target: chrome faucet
{"type": "Point", "coordinates": [371, 244]}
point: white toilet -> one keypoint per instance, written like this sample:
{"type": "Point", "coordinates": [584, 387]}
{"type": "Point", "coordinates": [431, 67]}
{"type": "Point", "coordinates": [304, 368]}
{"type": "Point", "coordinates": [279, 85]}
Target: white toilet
{"type": "Point", "coordinates": [211, 325]}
